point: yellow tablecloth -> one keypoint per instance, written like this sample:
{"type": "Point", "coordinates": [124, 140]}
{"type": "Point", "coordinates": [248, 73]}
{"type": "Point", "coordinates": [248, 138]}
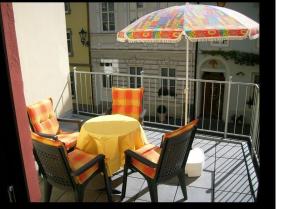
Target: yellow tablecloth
{"type": "Point", "coordinates": [111, 135]}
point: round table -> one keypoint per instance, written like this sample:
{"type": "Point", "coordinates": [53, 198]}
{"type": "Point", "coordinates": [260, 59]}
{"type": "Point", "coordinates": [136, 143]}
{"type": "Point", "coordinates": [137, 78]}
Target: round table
{"type": "Point", "coordinates": [111, 135]}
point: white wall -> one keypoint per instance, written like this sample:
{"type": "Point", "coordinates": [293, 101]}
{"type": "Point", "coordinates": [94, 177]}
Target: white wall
{"type": "Point", "coordinates": [42, 44]}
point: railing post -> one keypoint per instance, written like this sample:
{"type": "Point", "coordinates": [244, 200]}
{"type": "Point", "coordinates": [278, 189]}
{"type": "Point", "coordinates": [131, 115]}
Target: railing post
{"type": "Point", "coordinates": [75, 83]}
{"type": "Point", "coordinates": [142, 78]}
{"type": "Point", "coordinates": [256, 120]}
{"type": "Point", "coordinates": [142, 85]}
{"type": "Point", "coordinates": [227, 107]}
{"type": "Point", "coordinates": [186, 90]}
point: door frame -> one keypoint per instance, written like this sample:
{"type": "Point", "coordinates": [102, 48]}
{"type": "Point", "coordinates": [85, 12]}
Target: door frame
{"type": "Point", "coordinates": [18, 151]}
{"type": "Point", "coordinates": [202, 96]}
{"type": "Point", "coordinates": [225, 70]}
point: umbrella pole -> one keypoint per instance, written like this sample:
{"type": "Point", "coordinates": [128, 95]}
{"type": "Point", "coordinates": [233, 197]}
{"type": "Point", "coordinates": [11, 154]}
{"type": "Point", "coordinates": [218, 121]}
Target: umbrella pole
{"type": "Point", "coordinates": [186, 82]}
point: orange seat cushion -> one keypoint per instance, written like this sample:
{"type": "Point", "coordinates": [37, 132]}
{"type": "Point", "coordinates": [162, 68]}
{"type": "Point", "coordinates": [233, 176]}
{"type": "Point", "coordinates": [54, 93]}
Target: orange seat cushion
{"type": "Point", "coordinates": [42, 117]}
{"type": "Point", "coordinates": [69, 139]}
{"type": "Point", "coordinates": [150, 152]}
{"type": "Point", "coordinates": [44, 140]}
{"type": "Point", "coordinates": [77, 159]}
{"type": "Point", "coordinates": [127, 101]}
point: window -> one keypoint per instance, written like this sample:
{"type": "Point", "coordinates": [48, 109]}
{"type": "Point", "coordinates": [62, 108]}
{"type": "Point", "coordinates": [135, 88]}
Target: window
{"type": "Point", "coordinates": [224, 43]}
{"type": "Point", "coordinates": [108, 17]}
{"type": "Point", "coordinates": [72, 85]}
{"type": "Point", "coordinates": [108, 78]}
{"type": "Point", "coordinates": [169, 83]}
{"type": "Point", "coordinates": [106, 64]}
{"type": "Point", "coordinates": [67, 8]}
{"type": "Point", "coordinates": [135, 82]}
{"type": "Point", "coordinates": [69, 42]}
{"type": "Point", "coordinates": [107, 81]}
{"type": "Point", "coordinates": [139, 5]}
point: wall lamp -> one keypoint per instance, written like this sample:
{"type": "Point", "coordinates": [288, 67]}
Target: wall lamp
{"type": "Point", "coordinates": [83, 35]}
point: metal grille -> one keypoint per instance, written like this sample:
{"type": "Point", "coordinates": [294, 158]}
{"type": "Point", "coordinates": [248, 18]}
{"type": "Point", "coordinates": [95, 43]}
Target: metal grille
{"type": "Point", "coordinates": [224, 107]}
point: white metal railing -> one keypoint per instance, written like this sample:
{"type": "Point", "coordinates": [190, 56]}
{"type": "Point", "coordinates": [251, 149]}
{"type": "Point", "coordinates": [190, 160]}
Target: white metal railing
{"type": "Point", "coordinates": [224, 107]}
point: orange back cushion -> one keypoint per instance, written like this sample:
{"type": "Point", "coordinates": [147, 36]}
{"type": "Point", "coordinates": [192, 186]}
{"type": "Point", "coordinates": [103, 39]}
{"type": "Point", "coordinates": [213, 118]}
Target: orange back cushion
{"type": "Point", "coordinates": [42, 117]}
{"type": "Point", "coordinates": [181, 130]}
{"type": "Point", "coordinates": [127, 101]}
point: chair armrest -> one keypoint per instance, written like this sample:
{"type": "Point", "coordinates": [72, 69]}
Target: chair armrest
{"type": "Point", "coordinates": [142, 115]}
{"type": "Point", "coordinates": [69, 120]}
{"type": "Point", "coordinates": [89, 164]}
{"type": "Point", "coordinates": [108, 111]}
{"type": "Point", "coordinates": [140, 158]}
{"type": "Point", "coordinates": [51, 136]}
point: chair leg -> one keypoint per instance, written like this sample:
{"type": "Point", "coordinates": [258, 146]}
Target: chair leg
{"type": "Point", "coordinates": [153, 190]}
{"type": "Point", "coordinates": [47, 190]}
{"type": "Point", "coordinates": [107, 182]}
{"type": "Point", "coordinates": [124, 181]}
{"type": "Point", "coordinates": [79, 194]}
{"type": "Point", "coordinates": [181, 177]}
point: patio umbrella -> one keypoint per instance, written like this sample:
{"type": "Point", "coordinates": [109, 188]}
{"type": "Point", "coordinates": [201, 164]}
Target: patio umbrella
{"type": "Point", "coordinates": [194, 21]}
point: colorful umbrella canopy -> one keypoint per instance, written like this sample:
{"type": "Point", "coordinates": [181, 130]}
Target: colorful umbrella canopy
{"type": "Point", "coordinates": [196, 22]}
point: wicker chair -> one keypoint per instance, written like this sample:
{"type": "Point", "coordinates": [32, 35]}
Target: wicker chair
{"type": "Point", "coordinates": [158, 164]}
{"type": "Point", "coordinates": [44, 122]}
{"type": "Point", "coordinates": [67, 171]}
{"type": "Point", "coordinates": [129, 102]}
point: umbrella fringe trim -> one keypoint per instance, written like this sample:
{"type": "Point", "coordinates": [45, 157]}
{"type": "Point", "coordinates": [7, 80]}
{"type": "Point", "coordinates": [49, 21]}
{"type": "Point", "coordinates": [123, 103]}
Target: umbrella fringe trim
{"type": "Point", "coordinates": [152, 40]}
{"type": "Point", "coordinates": [217, 39]}
{"type": "Point", "coordinates": [179, 39]}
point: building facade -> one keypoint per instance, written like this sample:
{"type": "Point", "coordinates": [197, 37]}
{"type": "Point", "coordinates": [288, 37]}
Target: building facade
{"type": "Point", "coordinates": [168, 59]}
{"type": "Point", "coordinates": [77, 23]}
{"type": "Point", "coordinates": [43, 57]}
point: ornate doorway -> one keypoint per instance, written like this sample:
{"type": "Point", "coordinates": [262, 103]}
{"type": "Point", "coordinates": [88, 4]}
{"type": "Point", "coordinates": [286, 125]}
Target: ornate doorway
{"type": "Point", "coordinates": [212, 95]}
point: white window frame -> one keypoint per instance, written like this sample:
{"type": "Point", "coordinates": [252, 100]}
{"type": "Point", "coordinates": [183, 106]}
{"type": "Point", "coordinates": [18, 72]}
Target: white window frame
{"type": "Point", "coordinates": [168, 80]}
{"type": "Point", "coordinates": [107, 12]}
{"type": "Point", "coordinates": [106, 77]}
{"type": "Point", "coordinates": [136, 79]}
{"type": "Point", "coordinates": [70, 51]}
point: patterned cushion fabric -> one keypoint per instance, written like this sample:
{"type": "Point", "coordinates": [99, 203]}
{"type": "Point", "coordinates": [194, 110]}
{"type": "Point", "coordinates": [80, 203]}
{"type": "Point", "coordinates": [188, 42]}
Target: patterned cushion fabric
{"type": "Point", "coordinates": [77, 159]}
{"type": "Point", "coordinates": [127, 101]}
{"type": "Point", "coordinates": [44, 140]}
{"type": "Point", "coordinates": [47, 141]}
{"type": "Point", "coordinates": [150, 152]}
{"type": "Point", "coordinates": [42, 117]}
{"type": "Point", "coordinates": [181, 130]}
{"type": "Point", "coordinates": [69, 139]}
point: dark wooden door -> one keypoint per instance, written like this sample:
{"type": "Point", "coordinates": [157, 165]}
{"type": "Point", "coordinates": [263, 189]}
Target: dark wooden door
{"type": "Point", "coordinates": [212, 95]}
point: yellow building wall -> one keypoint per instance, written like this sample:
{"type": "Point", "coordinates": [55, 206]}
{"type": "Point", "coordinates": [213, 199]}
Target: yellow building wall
{"type": "Point", "coordinates": [76, 20]}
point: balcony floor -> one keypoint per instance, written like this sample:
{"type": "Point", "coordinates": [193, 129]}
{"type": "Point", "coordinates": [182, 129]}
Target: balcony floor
{"type": "Point", "coordinates": [228, 176]}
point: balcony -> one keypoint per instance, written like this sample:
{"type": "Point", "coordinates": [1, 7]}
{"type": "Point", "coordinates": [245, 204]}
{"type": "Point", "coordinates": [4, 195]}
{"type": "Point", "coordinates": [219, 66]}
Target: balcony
{"type": "Point", "coordinates": [231, 172]}
{"type": "Point", "coordinates": [229, 175]}
{"type": "Point", "coordinates": [226, 109]}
